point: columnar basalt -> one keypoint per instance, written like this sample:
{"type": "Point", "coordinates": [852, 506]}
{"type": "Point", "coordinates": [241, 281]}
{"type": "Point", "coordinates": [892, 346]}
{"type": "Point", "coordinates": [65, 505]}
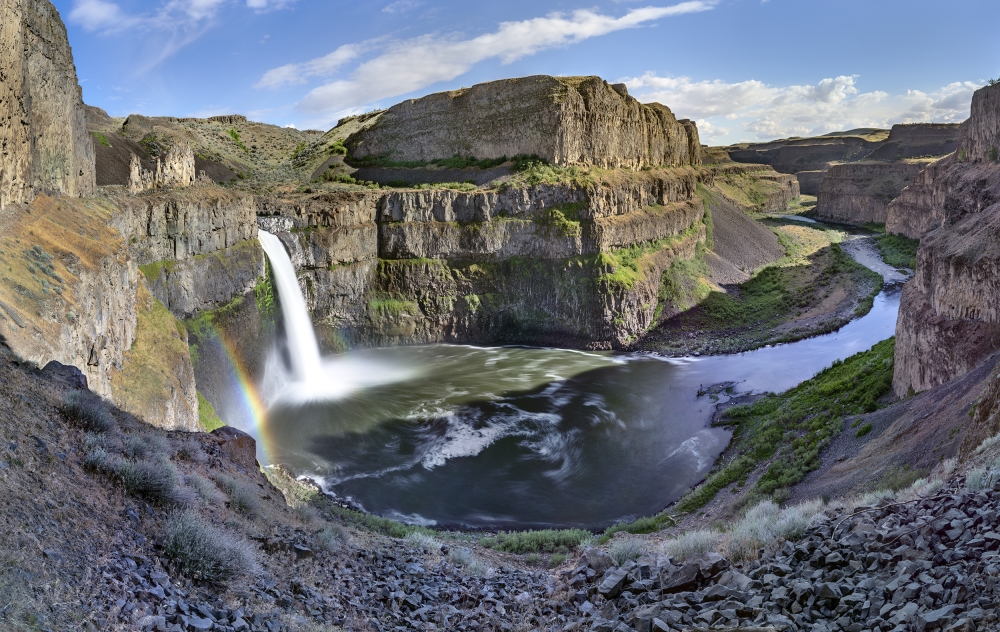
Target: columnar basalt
{"type": "Point", "coordinates": [44, 144]}
{"type": "Point", "coordinates": [564, 120]}
{"type": "Point", "coordinates": [196, 245]}
{"type": "Point", "coordinates": [812, 159]}
{"type": "Point", "coordinates": [528, 264]}
{"type": "Point", "coordinates": [948, 319]}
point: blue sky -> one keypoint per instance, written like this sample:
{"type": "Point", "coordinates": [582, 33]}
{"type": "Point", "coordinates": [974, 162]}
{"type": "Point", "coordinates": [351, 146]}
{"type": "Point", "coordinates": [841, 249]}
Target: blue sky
{"type": "Point", "coordinates": [744, 69]}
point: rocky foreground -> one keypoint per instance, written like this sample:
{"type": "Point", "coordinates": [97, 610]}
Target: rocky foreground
{"type": "Point", "coordinates": [930, 564]}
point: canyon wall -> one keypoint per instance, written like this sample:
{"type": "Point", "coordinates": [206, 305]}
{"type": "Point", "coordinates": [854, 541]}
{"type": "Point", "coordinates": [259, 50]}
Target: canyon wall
{"type": "Point", "coordinates": [919, 208]}
{"type": "Point", "coordinates": [949, 320]}
{"type": "Point", "coordinates": [44, 145]}
{"type": "Point", "coordinates": [753, 188]}
{"type": "Point", "coordinates": [505, 265]}
{"type": "Point", "coordinates": [860, 192]}
{"type": "Point", "coordinates": [812, 159]}
{"type": "Point", "coordinates": [197, 246]}
{"type": "Point", "coordinates": [565, 120]}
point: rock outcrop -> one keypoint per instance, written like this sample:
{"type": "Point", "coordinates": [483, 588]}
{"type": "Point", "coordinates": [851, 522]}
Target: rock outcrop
{"type": "Point", "coordinates": [812, 158]}
{"type": "Point", "coordinates": [44, 145]}
{"type": "Point", "coordinates": [753, 188]}
{"type": "Point", "coordinates": [860, 192]}
{"type": "Point", "coordinates": [949, 320]}
{"type": "Point", "coordinates": [503, 265]}
{"type": "Point", "coordinates": [176, 170]}
{"type": "Point", "coordinates": [565, 120]}
{"type": "Point", "coordinates": [69, 287]}
{"type": "Point", "coordinates": [197, 246]}
{"type": "Point", "coordinates": [919, 208]}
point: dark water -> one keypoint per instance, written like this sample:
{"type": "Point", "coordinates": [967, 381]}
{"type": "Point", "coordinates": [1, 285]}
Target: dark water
{"type": "Point", "coordinates": [524, 437]}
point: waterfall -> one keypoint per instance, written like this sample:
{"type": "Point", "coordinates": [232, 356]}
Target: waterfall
{"type": "Point", "coordinates": [302, 347]}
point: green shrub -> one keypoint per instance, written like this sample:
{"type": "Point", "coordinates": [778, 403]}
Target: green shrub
{"type": "Point", "coordinates": [88, 411]}
{"type": "Point", "coordinates": [462, 556]}
{"type": "Point", "coordinates": [154, 480]}
{"type": "Point", "coordinates": [243, 497]}
{"type": "Point", "coordinates": [863, 430]}
{"type": "Point", "coordinates": [235, 135]}
{"type": "Point", "coordinates": [898, 251]}
{"type": "Point", "coordinates": [790, 429]}
{"type": "Point", "coordinates": [626, 549]}
{"type": "Point", "coordinates": [331, 538]}
{"type": "Point", "coordinates": [900, 477]}
{"type": "Point", "coordinates": [205, 489]}
{"type": "Point", "coordinates": [545, 541]}
{"type": "Point", "coordinates": [206, 552]}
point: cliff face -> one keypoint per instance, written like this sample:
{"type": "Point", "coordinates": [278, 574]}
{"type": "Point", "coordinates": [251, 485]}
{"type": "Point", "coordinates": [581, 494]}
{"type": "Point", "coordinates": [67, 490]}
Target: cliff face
{"type": "Point", "coordinates": [949, 320]}
{"type": "Point", "coordinates": [197, 246]}
{"type": "Point", "coordinates": [44, 145]}
{"type": "Point", "coordinates": [753, 188]}
{"type": "Point", "coordinates": [513, 265]}
{"type": "Point", "coordinates": [860, 192]}
{"type": "Point", "coordinates": [919, 208]}
{"type": "Point", "coordinates": [811, 159]}
{"type": "Point", "coordinates": [565, 120]}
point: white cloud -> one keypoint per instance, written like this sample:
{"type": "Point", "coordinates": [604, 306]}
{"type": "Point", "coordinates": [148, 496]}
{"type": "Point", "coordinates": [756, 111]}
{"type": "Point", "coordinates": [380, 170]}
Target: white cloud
{"type": "Point", "coordinates": [98, 15]}
{"type": "Point", "coordinates": [267, 5]}
{"type": "Point", "coordinates": [171, 24]}
{"type": "Point", "coordinates": [753, 110]}
{"type": "Point", "coordinates": [293, 74]}
{"type": "Point", "coordinates": [401, 5]}
{"type": "Point", "coordinates": [413, 64]}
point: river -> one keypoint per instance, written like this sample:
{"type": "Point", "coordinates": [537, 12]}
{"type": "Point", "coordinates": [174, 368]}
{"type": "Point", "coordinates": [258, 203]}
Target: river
{"type": "Point", "coordinates": [515, 437]}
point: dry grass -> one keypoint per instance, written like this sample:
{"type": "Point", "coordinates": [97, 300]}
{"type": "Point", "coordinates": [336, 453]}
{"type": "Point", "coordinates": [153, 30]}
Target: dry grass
{"type": "Point", "coordinates": [74, 237]}
{"type": "Point", "coordinates": [148, 383]}
{"type": "Point", "coordinates": [208, 552]}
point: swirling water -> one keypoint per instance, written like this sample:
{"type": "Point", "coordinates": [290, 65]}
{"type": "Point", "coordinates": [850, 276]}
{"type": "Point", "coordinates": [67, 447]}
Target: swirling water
{"type": "Point", "coordinates": [519, 437]}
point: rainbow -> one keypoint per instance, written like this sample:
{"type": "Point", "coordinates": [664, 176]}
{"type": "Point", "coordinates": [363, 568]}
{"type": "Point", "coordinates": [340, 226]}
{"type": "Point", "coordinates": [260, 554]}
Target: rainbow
{"type": "Point", "coordinates": [253, 404]}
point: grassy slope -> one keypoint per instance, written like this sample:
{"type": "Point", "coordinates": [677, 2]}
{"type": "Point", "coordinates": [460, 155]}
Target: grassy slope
{"type": "Point", "coordinates": [805, 291]}
{"type": "Point", "coordinates": [898, 251]}
{"type": "Point", "coordinates": [148, 377]}
{"type": "Point", "coordinates": [779, 437]}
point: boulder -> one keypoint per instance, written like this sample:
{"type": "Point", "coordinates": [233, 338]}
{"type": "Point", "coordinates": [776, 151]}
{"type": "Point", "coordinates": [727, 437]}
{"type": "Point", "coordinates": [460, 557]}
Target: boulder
{"type": "Point", "coordinates": [238, 446]}
{"type": "Point", "coordinates": [69, 375]}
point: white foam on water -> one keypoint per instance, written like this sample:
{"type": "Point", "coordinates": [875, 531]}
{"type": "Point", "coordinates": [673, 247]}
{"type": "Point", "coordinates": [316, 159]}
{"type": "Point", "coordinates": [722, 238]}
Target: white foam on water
{"type": "Point", "coordinates": [699, 446]}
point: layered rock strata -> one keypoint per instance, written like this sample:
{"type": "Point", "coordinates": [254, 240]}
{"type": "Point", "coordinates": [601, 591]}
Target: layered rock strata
{"type": "Point", "coordinates": [860, 192]}
{"type": "Point", "coordinates": [565, 120]}
{"type": "Point", "coordinates": [534, 264]}
{"type": "Point", "coordinates": [197, 246]}
{"type": "Point", "coordinates": [811, 159]}
{"type": "Point", "coordinates": [176, 170]}
{"type": "Point", "coordinates": [44, 145]}
{"type": "Point", "coordinates": [753, 188]}
{"type": "Point", "coordinates": [949, 319]}
{"type": "Point", "coordinates": [919, 208]}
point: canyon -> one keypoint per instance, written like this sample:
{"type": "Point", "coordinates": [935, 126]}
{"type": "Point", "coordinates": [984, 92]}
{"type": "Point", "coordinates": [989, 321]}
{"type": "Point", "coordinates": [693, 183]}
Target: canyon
{"type": "Point", "coordinates": [138, 312]}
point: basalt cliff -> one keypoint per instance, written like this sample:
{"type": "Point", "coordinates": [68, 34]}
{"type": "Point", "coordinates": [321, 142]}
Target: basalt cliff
{"type": "Point", "coordinates": [855, 174]}
{"type": "Point", "coordinates": [564, 120]}
{"type": "Point", "coordinates": [948, 319]}
{"type": "Point", "coordinates": [43, 142]}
